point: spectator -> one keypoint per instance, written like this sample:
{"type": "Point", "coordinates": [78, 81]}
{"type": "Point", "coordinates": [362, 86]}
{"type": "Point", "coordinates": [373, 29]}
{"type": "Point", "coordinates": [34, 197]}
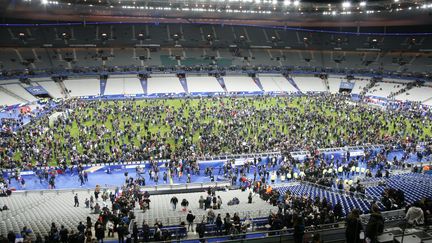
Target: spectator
{"type": "Point", "coordinates": [210, 216]}
{"type": "Point", "coordinates": [227, 223]}
{"type": "Point", "coordinates": [219, 202]}
{"type": "Point", "coordinates": [64, 237]}
{"type": "Point", "coordinates": [81, 227]}
{"type": "Point", "coordinates": [88, 235]}
{"type": "Point", "coordinates": [76, 200]}
{"type": "Point", "coordinates": [219, 224]}
{"type": "Point", "coordinates": [375, 226]}
{"type": "Point", "coordinates": [100, 233]}
{"type": "Point", "coordinates": [135, 232]}
{"type": "Point", "coordinates": [11, 237]}
{"type": "Point", "coordinates": [201, 230]}
{"type": "Point", "coordinates": [157, 233]}
{"type": "Point", "coordinates": [414, 215]}
{"type": "Point", "coordinates": [121, 233]}
{"type": "Point", "coordinates": [353, 227]}
{"type": "Point", "coordinates": [110, 227]}
{"type": "Point", "coordinates": [145, 231]}
{"type": "Point", "coordinates": [184, 204]}
{"type": "Point", "coordinates": [299, 228]}
{"type": "Point", "coordinates": [190, 219]}
{"type": "Point", "coordinates": [201, 202]}
{"type": "Point", "coordinates": [174, 202]}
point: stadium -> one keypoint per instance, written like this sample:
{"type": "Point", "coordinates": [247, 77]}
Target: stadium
{"type": "Point", "coordinates": [216, 121]}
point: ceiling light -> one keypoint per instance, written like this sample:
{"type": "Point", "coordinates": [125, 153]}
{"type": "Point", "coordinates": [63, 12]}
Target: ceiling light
{"type": "Point", "coordinates": [363, 4]}
{"type": "Point", "coordinates": [44, 2]}
{"type": "Point", "coordinates": [296, 3]}
{"type": "Point", "coordinates": [396, 1]}
{"type": "Point", "coordinates": [287, 2]}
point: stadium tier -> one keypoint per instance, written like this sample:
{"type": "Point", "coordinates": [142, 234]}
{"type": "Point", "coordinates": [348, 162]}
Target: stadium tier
{"type": "Point", "coordinates": [227, 121]}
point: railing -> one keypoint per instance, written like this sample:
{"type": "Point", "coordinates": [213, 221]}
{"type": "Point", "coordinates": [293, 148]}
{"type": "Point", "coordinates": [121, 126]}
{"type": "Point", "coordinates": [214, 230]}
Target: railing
{"type": "Point", "coordinates": [328, 232]}
{"type": "Point", "coordinates": [254, 214]}
{"type": "Point", "coordinates": [187, 186]}
{"type": "Point", "coordinates": [242, 156]}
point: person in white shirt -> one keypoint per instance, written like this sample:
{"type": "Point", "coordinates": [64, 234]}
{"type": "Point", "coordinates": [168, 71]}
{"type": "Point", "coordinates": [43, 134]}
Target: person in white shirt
{"type": "Point", "coordinates": [414, 216]}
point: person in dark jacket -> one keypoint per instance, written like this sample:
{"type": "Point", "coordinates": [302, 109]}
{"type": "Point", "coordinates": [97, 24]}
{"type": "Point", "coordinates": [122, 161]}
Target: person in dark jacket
{"type": "Point", "coordinates": [64, 237]}
{"type": "Point", "coordinates": [135, 232]}
{"type": "Point", "coordinates": [145, 231]}
{"type": "Point", "coordinates": [338, 210]}
{"type": "Point", "coordinates": [201, 230]}
{"type": "Point", "coordinates": [353, 227]}
{"type": "Point", "coordinates": [100, 233]}
{"type": "Point", "coordinates": [375, 226]}
{"type": "Point", "coordinates": [219, 224]}
{"type": "Point", "coordinates": [299, 228]}
{"type": "Point", "coordinates": [121, 232]}
{"type": "Point", "coordinates": [11, 237]}
{"type": "Point", "coordinates": [190, 218]}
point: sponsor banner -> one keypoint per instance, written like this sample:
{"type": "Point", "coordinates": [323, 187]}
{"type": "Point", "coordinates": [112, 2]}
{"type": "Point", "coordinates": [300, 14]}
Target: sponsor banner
{"type": "Point", "coordinates": [36, 90]}
{"type": "Point", "coordinates": [346, 85]}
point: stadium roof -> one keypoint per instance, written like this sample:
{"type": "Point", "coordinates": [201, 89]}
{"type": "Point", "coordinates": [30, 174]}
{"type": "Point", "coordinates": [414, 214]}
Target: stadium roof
{"type": "Point", "coordinates": [261, 12]}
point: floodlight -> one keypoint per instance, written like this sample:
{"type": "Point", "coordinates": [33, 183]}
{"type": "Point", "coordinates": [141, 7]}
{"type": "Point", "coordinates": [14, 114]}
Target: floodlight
{"type": "Point", "coordinates": [346, 4]}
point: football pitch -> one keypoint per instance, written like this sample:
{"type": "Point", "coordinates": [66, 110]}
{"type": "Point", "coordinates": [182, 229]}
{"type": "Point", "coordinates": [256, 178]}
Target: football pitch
{"type": "Point", "coordinates": [178, 128]}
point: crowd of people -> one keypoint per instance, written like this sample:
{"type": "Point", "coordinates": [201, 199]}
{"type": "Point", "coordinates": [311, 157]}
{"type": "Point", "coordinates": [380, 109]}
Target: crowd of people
{"type": "Point", "coordinates": [187, 129]}
{"type": "Point", "coordinates": [183, 131]}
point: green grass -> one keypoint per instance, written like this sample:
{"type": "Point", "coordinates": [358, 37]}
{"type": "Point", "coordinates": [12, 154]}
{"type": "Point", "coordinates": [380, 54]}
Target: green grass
{"type": "Point", "coordinates": [253, 128]}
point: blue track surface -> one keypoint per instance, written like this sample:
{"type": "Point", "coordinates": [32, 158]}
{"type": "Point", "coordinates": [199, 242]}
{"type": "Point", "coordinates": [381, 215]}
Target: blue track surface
{"type": "Point", "coordinates": [117, 177]}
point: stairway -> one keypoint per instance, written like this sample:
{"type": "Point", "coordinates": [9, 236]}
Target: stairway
{"type": "Point", "coordinates": [103, 83]}
{"type": "Point", "coordinates": [183, 82]}
{"type": "Point", "coordinates": [258, 83]}
{"type": "Point", "coordinates": [326, 83]}
{"type": "Point", "coordinates": [222, 83]}
{"type": "Point", "coordinates": [144, 84]}
{"type": "Point", "coordinates": [368, 87]}
{"type": "Point", "coordinates": [63, 89]}
{"type": "Point", "coordinates": [293, 83]}
{"type": "Point", "coordinates": [404, 89]}
{"type": "Point", "coordinates": [13, 94]}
